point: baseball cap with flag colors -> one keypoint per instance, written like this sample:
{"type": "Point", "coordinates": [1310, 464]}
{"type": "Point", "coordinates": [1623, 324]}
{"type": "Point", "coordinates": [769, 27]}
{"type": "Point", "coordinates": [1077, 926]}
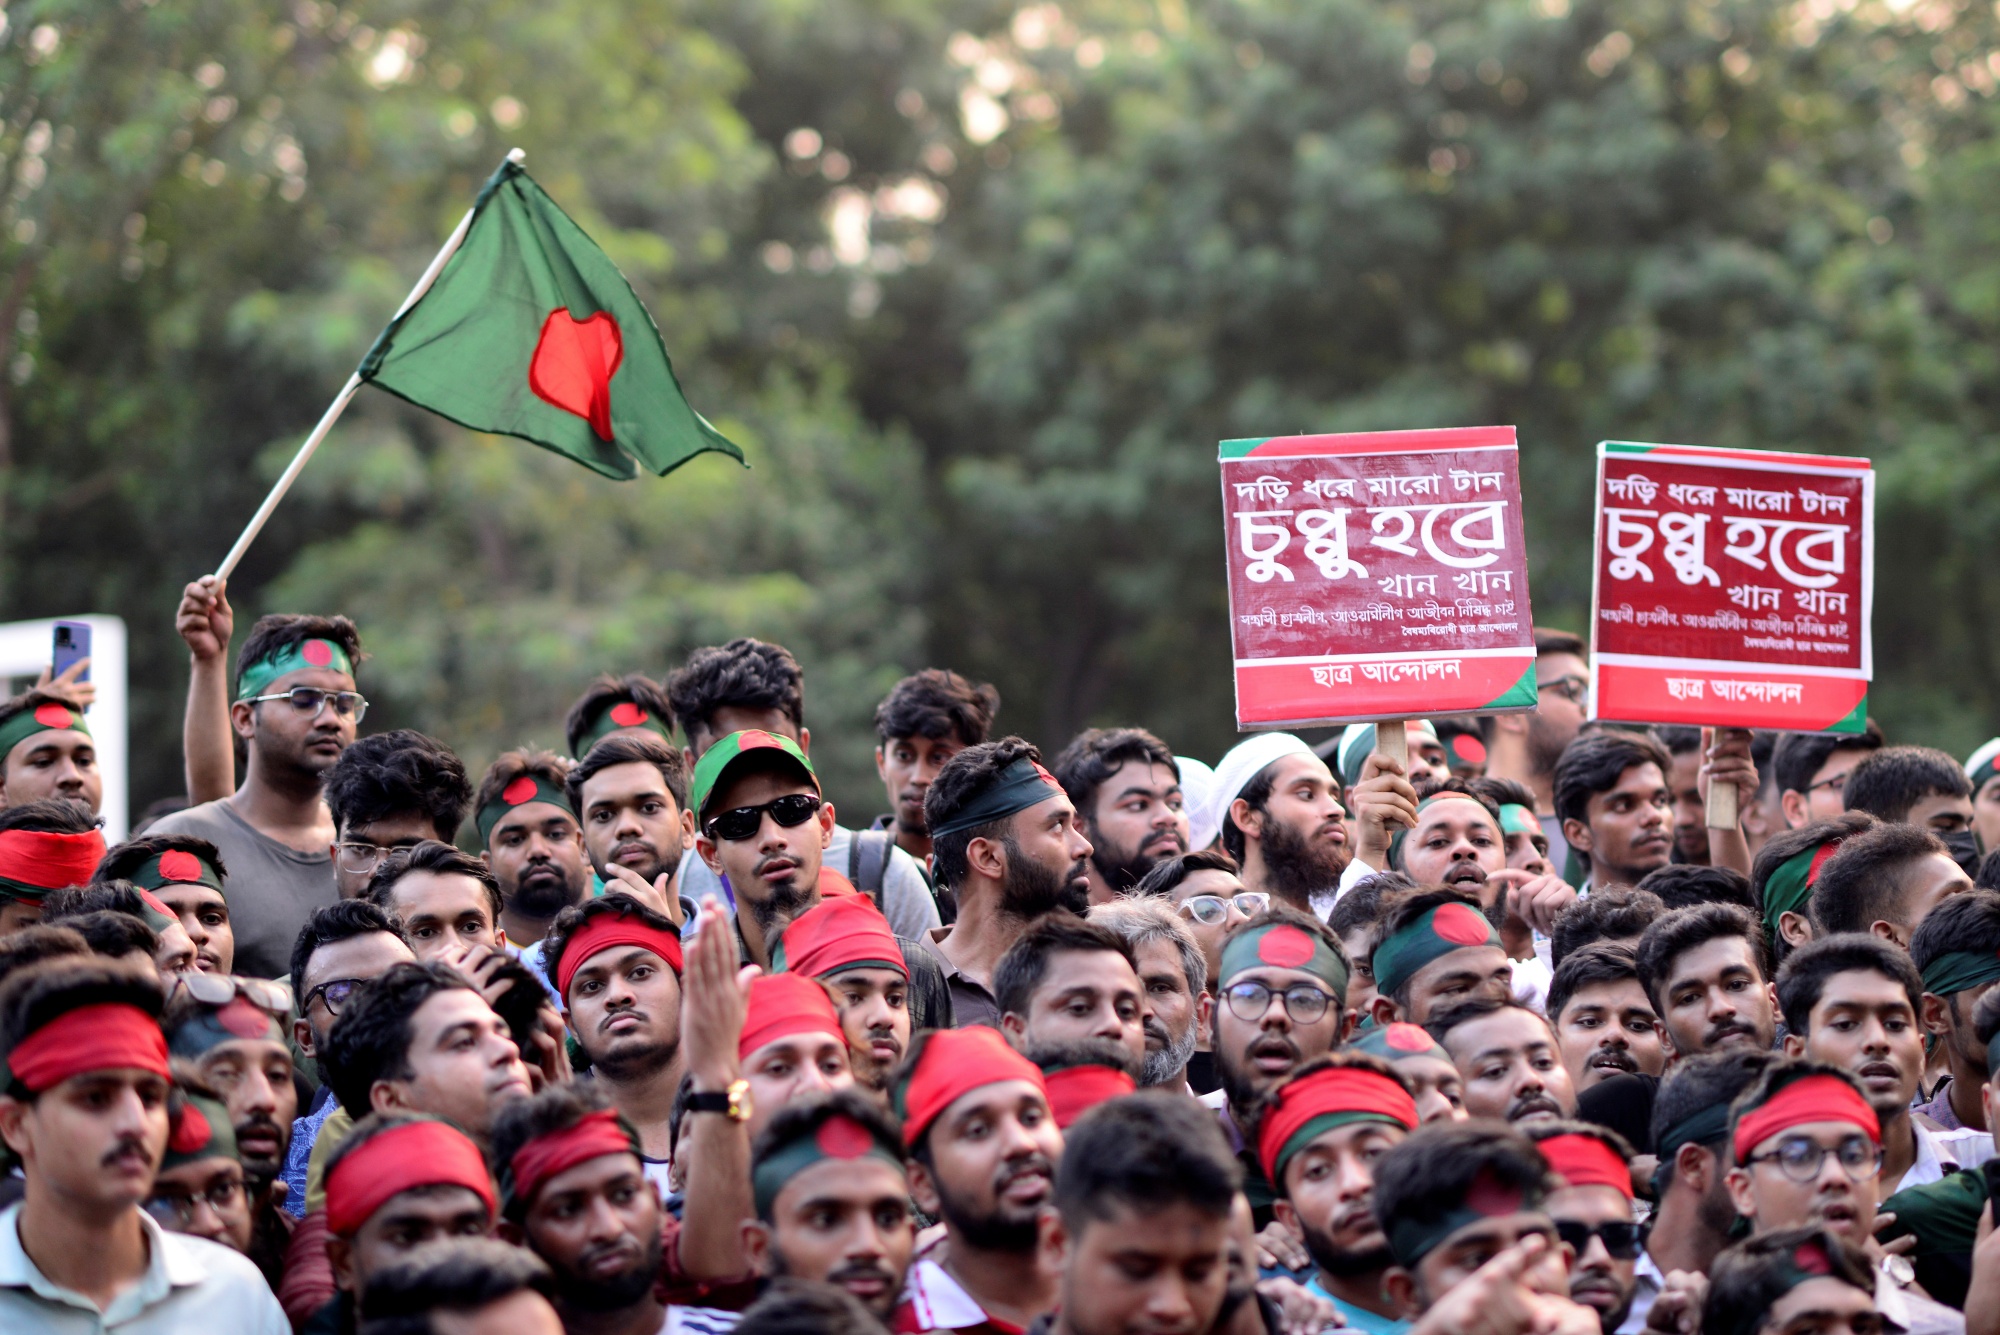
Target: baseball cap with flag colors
{"type": "Point", "coordinates": [719, 759]}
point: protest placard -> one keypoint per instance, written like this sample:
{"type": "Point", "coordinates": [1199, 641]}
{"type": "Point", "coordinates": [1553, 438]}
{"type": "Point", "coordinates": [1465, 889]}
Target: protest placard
{"type": "Point", "coordinates": [1732, 588]}
{"type": "Point", "coordinates": [1381, 575]}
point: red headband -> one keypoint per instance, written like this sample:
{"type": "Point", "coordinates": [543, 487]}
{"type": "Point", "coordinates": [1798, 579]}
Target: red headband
{"type": "Point", "coordinates": [415, 1154]}
{"type": "Point", "coordinates": [1347, 1092]}
{"type": "Point", "coordinates": [1075, 1090]}
{"type": "Point", "coordinates": [782, 1004]}
{"type": "Point", "coordinates": [954, 1063]}
{"type": "Point", "coordinates": [1813, 1098]}
{"type": "Point", "coordinates": [110, 1036]}
{"type": "Point", "coordinates": [1586, 1161]}
{"type": "Point", "coordinates": [606, 930]}
{"type": "Point", "coordinates": [49, 860]}
{"type": "Point", "coordinates": [543, 1157]}
{"type": "Point", "coordinates": [844, 933]}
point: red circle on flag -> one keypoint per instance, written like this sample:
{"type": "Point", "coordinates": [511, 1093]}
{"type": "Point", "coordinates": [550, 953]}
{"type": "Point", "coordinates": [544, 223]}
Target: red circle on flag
{"type": "Point", "coordinates": [52, 716]}
{"type": "Point", "coordinates": [519, 791]}
{"type": "Point", "coordinates": [1811, 1259]}
{"type": "Point", "coordinates": [243, 1018]}
{"type": "Point", "coordinates": [628, 715]}
{"type": "Point", "coordinates": [754, 738]}
{"type": "Point", "coordinates": [1490, 1197]}
{"type": "Point", "coordinates": [1286, 947]}
{"type": "Point", "coordinates": [156, 904]}
{"type": "Point", "coordinates": [177, 864]}
{"type": "Point", "coordinates": [844, 1139]}
{"type": "Point", "coordinates": [191, 1130]}
{"type": "Point", "coordinates": [317, 653]}
{"type": "Point", "coordinates": [1461, 925]}
{"type": "Point", "coordinates": [1469, 749]}
{"type": "Point", "coordinates": [1407, 1038]}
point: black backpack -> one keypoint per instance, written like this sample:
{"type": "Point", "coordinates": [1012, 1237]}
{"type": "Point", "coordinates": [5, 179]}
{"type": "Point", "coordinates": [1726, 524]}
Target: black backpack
{"type": "Point", "coordinates": [868, 861]}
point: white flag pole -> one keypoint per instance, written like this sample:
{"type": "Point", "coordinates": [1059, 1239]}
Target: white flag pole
{"type": "Point", "coordinates": [340, 401]}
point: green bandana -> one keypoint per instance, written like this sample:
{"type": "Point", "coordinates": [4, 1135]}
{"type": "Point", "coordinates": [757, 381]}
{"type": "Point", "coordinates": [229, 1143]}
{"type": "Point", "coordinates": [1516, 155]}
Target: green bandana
{"type": "Point", "coordinates": [1411, 1240]}
{"type": "Point", "coordinates": [176, 866]}
{"type": "Point", "coordinates": [324, 655]}
{"type": "Point", "coordinates": [1956, 970]}
{"type": "Point", "coordinates": [716, 761]}
{"type": "Point", "coordinates": [1983, 764]}
{"type": "Point", "coordinates": [1397, 1040]}
{"type": "Point", "coordinates": [1790, 883]}
{"type": "Point", "coordinates": [1448, 927]}
{"type": "Point", "coordinates": [1280, 945]}
{"type": "Point", "coordinates": [48, 716]}
{"type": "Point", "coordinates": [1704, 1126]}
{"type": "Point", "coordinates": [1396, 840]}
{"type": "Point", "coordinates": [614, 715]}
{"type": "Point", "coordinates": [837, 1138]}
{"type": "Point", "coordinates": [211, 1026]}
{"type": "Point", "coordinates": [519, 792]}
{"type": "Point", "coordinates": [201, 1130]}
{"type": "Point", "coordinates": [1517, 819]}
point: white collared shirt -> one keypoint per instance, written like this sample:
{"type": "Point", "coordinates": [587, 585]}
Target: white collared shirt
{"type": "Point", "coordinates": [1933, 1160]}
{"type": "Point", "coordinates": [190, 1287]}
{"type": "Point", "coordinates": [1648, 1283]}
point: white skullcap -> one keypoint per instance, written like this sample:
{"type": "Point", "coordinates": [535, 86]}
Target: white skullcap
{"type": "Point", "coordinates": [1197, 788]}
{"type": "Point", "coordinates": [1242, 764]}
{"type": "Point", "coordinates": [1983, 763]}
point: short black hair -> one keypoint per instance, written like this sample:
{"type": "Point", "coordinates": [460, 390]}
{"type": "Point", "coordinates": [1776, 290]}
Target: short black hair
{"type": "Point", "coordinates": [112, 934]}
{"type": "Point", "coordinates": [74, 901]}
{"type": "Point", "coordinates": [1095, 754]}
{"type": "Point", "coordinates": [1478, 1006]}
{"type": "Point", "coordinates": [1425, 1178]}
{"type": "Point", "coordinates": [1405, 910]}
{"type": "Point", "coordinates": [802, 1119]}
{"type": "Point", "coordinates": [1682, 930]}
{"type": "Point", "coordinates": [631, 748]}
{"type": "Point", "coordinates": [607, 691]}
{"type": "Point", "coordinates": [457, 1275]}
{"type": "Point", "coordinates": [1692, 1084]}
{"type": "Point", "coordinates": [508, 766]}
{"type": "Point", "coordinates": [1166, 874]}
{"type": "Point", "coordinates": [338, 921]}
{"type": "Point", "coordinates": [1145, 1152]}
{"type": "Point", "coordinates": [804, 1307]}
{"type": "Point", "coordinates": [1969, 921]}
{"type": "Point", "coordinates": [572, 919]}
{"type": "Point", "coordinates": [742, 674]}
{"type": "Point", "coordinates": [1679, 738]}
{"type": "Point", "coordinates": [1499, 792]}
{"type": "Point", "coordinates": [124, 859]}
{"type": "Point", "coordinates": [962, 779]}
{"type": "Point", "coordinates": [551, 1109]}
{"type": "Point", "coordinates": [1747, 1279]}
{"type": "Point", "coordinates": [1362, 904]}
{"type": "Point", "coordinates": [1988, 876]}
{"type": "Point", "coordinates": [1451, 783]}
{"type": "Point", "coordinates": [1620, 914]}
{"type": "Point", "coordinates": [1593, 763]}
{"type": "Point", "coordinates": [40, 994]}
{"type": "Point", "coordinates": [42, 941]}
{"type": "Point", "coordinates": [1587, 966]}
{"type": "Point", "coordinates": [1549, 640]}
{"type": "Point", "coordinates": [281, 630]}
{"type": "Point", "coordinates": [431, 855]}
{"type": "Point", "coordinates": [1802, 977]}
{"type": "Point", "coordinates": [1863, 881]}
{"type": "Point", "coordinates": [1682, 884]}
{"type": "Point", "coordinates": [1887, 784]}
{"type": "Point", "coordinates": [1800, 755]}
{"type": "Point", "coordinates": [50, 815]}
{"type": "Point", "coordinates": [937, 703]}
{"type": "Point", "coordinates": [1022, 970]}
{"type": "Point", "coordinates": [398, 773]}
{"type": "Point", "coordinates": [370, 1039]}
{"type": "Point", "coordinates": [1785, 845]}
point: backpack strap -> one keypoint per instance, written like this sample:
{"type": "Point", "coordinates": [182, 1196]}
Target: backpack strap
{"type": "Point", "coordinates": [868, 862]}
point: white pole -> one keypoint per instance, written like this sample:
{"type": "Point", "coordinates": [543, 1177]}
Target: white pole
{"type": "Point", "coordinates": [340, 401]}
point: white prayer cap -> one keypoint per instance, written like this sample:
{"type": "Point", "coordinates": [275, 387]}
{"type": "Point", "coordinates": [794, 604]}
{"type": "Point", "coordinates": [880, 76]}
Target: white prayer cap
{"type": "Point", "coordinates": [1983, 764]}
{"type": "Point", "coordinates": [1242, 764]}
{"type": "Point", "coordinates": [1197, 787]}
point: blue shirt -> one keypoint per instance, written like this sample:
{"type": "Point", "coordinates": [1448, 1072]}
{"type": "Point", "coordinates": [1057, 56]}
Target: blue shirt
{"type": "Point", "coordinates": [1358, 1318]}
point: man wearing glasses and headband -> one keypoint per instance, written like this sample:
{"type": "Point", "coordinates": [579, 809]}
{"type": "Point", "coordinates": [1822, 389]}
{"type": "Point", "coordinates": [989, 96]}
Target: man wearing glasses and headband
{"type": "Point", "coordinates": [296, 709]}
{"type": "Point", "coordinates": [229, 1030]}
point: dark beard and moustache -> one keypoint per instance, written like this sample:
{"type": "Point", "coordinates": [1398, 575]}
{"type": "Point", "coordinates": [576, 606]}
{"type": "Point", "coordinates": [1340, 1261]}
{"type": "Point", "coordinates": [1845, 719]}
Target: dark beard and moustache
{"type": "Point", "coordinates": [636, 1062]}
{"type": "Point", "coordinates": [544, 891]}
{"type": "Point", "coordinates": [786, 902]}
{"type": "Point", "coordinates": [1002, 1230]}
{"type": "Point", "coordinates": [649, 872]}
{"type": "Point", "coordinates": [1029, 890]}
{"type": "Point", "coordinates": [1122, 870]}
{"type": "Point", "coordinates": [1546, 743]}
{"type": "Point", "coordinates": [1170, 1059]}
{"type": "Point", "coordinates": [892, 1288]}
{"type": "Point", "coordinates": [1299, 867]}
{"type": "Point", "coordinates": [624, 1289]}
{"type": "Point", "coordinates": [1341, 1263]}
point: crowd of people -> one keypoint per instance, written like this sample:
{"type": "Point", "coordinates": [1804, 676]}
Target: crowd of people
{"type": "Point", "coordinates": [1496, 1037]}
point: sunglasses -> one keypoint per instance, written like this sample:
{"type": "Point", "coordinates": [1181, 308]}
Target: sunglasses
{"type": "Point", "coordinates": [218, 989]}
{"type": "Point", "coordinates": [1213, 910]}
{"type": "Point", "coordinates": [740, 823]}
{"type": "Point", "coordinates": [310, 700]}
{"type": "Point", "coordinates": [1619, 1236]}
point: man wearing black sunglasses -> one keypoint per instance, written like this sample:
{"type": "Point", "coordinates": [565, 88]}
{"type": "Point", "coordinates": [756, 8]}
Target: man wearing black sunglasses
{"type": "Point", "coordinates": [1593, 1213]}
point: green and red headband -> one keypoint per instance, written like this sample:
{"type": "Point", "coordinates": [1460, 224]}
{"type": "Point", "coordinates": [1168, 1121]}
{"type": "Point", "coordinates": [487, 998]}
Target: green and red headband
{"type": "Point", "coordinates": [176, 866]}
{"type": "Point", "coordinates": [1399, 1039]}
{"type": "Point", "coordinates": [200, 1130]}
{"type": "Point", "coordinates": [1412, 1239]}
{"type": "Point", "coordinates": [838, 1137]}
{"type": "Point", "coordinates": [1280, 945]}
{"type": "Point", "coordinates": [210, 1027]}
{"type": "Point", "coordinates": [520, 791]}
{"type": "Point", "coordinates": [1517, 819]}
{"type": "Point", "coordinates": [1318, 1102]}
{"type": "Point", "coordinates": [1983, 764]}
{"type": "Point", "coordinates": [1956, 970]}
{"type": "Point", "coordinates": [1021, 785]}
{"type": "Point", "coordinates": [48, 716]}
{"type": "Point", "coordinates": [844, 932]}
{"type": "Point", "coordinates": [323, 655]}
{"type": "Point", "coordinates": [1810, 1098]}
{"type": "Point", "coordinates": [1791, 881]}
{"type": "Point", "coordinates": [34, 862]}
{"type": "Point", "coordinates": [615, 715]}
{"type": "Point", "coordinates": [1441, 930]}
{"type": "Point", "coordinates": [1808, 1261]}
{"type": "Point", "coordinates": [592, 1137]}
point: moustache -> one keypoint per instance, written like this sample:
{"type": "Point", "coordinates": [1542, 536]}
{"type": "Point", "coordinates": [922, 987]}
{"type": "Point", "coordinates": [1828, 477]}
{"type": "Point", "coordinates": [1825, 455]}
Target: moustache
{"type": "Point", "coordinates": [1614, 1057]}
{"type": "Point", "coordinates": [1156, 1033]}
{"type": "Point", "coordinates": [639, 1015]}
{"type": "Point", "coordinates": [624, 846]}
{"type": "Point", "coordinates": [1035, 1164]}
{"type": "Point", "coordinates": [1728, 1029]}
{"type": "Point", "coordinates": [861, 1270]}
{"type": "Point", "coordinates": [1530, 1104]}
{"type": "Point", "coordinates": [126, 1145]}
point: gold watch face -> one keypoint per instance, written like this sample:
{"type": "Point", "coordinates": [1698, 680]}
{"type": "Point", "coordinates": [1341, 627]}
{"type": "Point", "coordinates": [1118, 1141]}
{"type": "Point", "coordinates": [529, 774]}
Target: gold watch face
{"type": "Point", "coordinates": [740, 1107]}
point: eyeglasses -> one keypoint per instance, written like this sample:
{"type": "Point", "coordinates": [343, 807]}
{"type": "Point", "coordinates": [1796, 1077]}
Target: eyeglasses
{"type": "Point", "coordinates": [219, 989]}
{"type": "Point", "coordinates": [1837, 784]}
{"type": "Point", "coordinates": [1572, 688]}
{"type": "Point", "coordinates": [1800, 1159]}
{"type": "Point", "coordinates": [364, 857]}
{"type": "Point", "coordinates": [740, 823]}
{"type": "Point", "coordinates": [334, 992]}
{"type": "Point", "coordinates": [1619, 1236]}
{"type": "Point", "coordinates": [176, 1208]}
{"type": "Point", "coordinates": [1213, 910]}
{"type": "Point", "coordinates": [1304, 1003]}
{"type": "Point", "coordinates": [309, 700]}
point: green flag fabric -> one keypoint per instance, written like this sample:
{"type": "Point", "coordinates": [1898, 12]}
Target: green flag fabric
{"type": "Point", "coordinates": [531, 331]}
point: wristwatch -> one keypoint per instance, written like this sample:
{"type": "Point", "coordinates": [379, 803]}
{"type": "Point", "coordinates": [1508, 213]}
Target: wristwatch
{"type": "Point", "coordinates": [733, 1102]}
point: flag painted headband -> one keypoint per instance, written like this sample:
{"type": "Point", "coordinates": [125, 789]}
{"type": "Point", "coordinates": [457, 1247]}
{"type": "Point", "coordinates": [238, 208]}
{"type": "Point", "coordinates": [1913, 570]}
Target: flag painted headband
{"type": "Point", "coordinates": [607, 930]}
{"type": "Point", "coordinates": [1811, 1098]}
{"type": "Point", "coordinates": [1021, 785]}
{"type": "Point", "coordinates": [1280, 945]}
{"type": "Point", "coordinates": [1983, 764]}
{"type": "Point", "coordinates": [201, 1130]}
{"type": "Point", "coordinates": [1396, 839]}
{"type": "Point", "coordinates": [594, 1136]}
{"type": "Point", "coordinates": [1517, 819]}
{"type": "Point", "coordinates": [838, 1137]}
{"type": "Point", "coordinates": [1810, 1260]}
{"type": "Point", "coordinates": [1586, 1161]}
{"type": "Point", "coordinates": [523, 789]}
{"type": "Point", "coordinates": [1399, 1039]}
{"type": "Point", "coordinates": [47, 717]}
{"type": "Point", "coordinates": [110, 1036]}
{"type": "Point", "coordinates": [324, 655]}
{"type": "Point", "coordinates": [209, 1028]}
{"type": "Point", "coordinates": [783, 1004]}
{"type": "Point", "coordinates": [615, 716]}
{"type": "Point", "coordinates": [1956, 970]}
{"type": "Point", "coordinates": [425, 1153]}
{"type": "Point", "coordinates": [845, 932]}
{"type": "Point", "coordinates": [176, 866]}
{"type": "Point", "coordinates": [953, 1063]}
{"type": "Point", "coordinates": [719, 758]}
{"type": "Point", "coordinates": [34, 862]}
{"type": "Point", "coordinates": [1791, 881]}
{"type": "Point", "coordinates": [1412, 1239]}
{"type": "Point", "coordinates": [1075, 1090]}
{"type": "Point", "coordinates": [1315, 1103]}
{"type": "Point", "coordinates": [1437, 933]}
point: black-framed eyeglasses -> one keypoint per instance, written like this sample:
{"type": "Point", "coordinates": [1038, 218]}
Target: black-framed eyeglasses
{"type": "Point", "coordinates": [740, 823]}
{"type": "Point", "coordinates": [1304, 1003]}
{"type": "Point", "coordinates": [175, 1208]}
{"type": "Point", "coordinates": [219, 989]}
{"type": "Point", "coordinates": [1619, 1236]}
{"type": "Point", "coordinates": [1213, 910]}
{"type": "Point", "coordinates": [334, 992]}
{"type": "Point", "coordinates": [309, 700]}
{"type": "Point", "coordinates": [1800, 1158]}
{"type": "Point", "coordinates": [1572, 688]}
{"type": "Point", "coordinates": [1836, 785]}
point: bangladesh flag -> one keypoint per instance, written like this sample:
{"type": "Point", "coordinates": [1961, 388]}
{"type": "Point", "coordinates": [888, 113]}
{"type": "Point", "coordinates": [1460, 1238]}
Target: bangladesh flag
{"type": "Point", "coordinates": [531, 331]}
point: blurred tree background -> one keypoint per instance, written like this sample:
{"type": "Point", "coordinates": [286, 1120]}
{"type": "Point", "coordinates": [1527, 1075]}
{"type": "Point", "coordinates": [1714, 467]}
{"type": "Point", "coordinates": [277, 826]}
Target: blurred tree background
{"type": "Point", "coordinates": [978, 286]}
